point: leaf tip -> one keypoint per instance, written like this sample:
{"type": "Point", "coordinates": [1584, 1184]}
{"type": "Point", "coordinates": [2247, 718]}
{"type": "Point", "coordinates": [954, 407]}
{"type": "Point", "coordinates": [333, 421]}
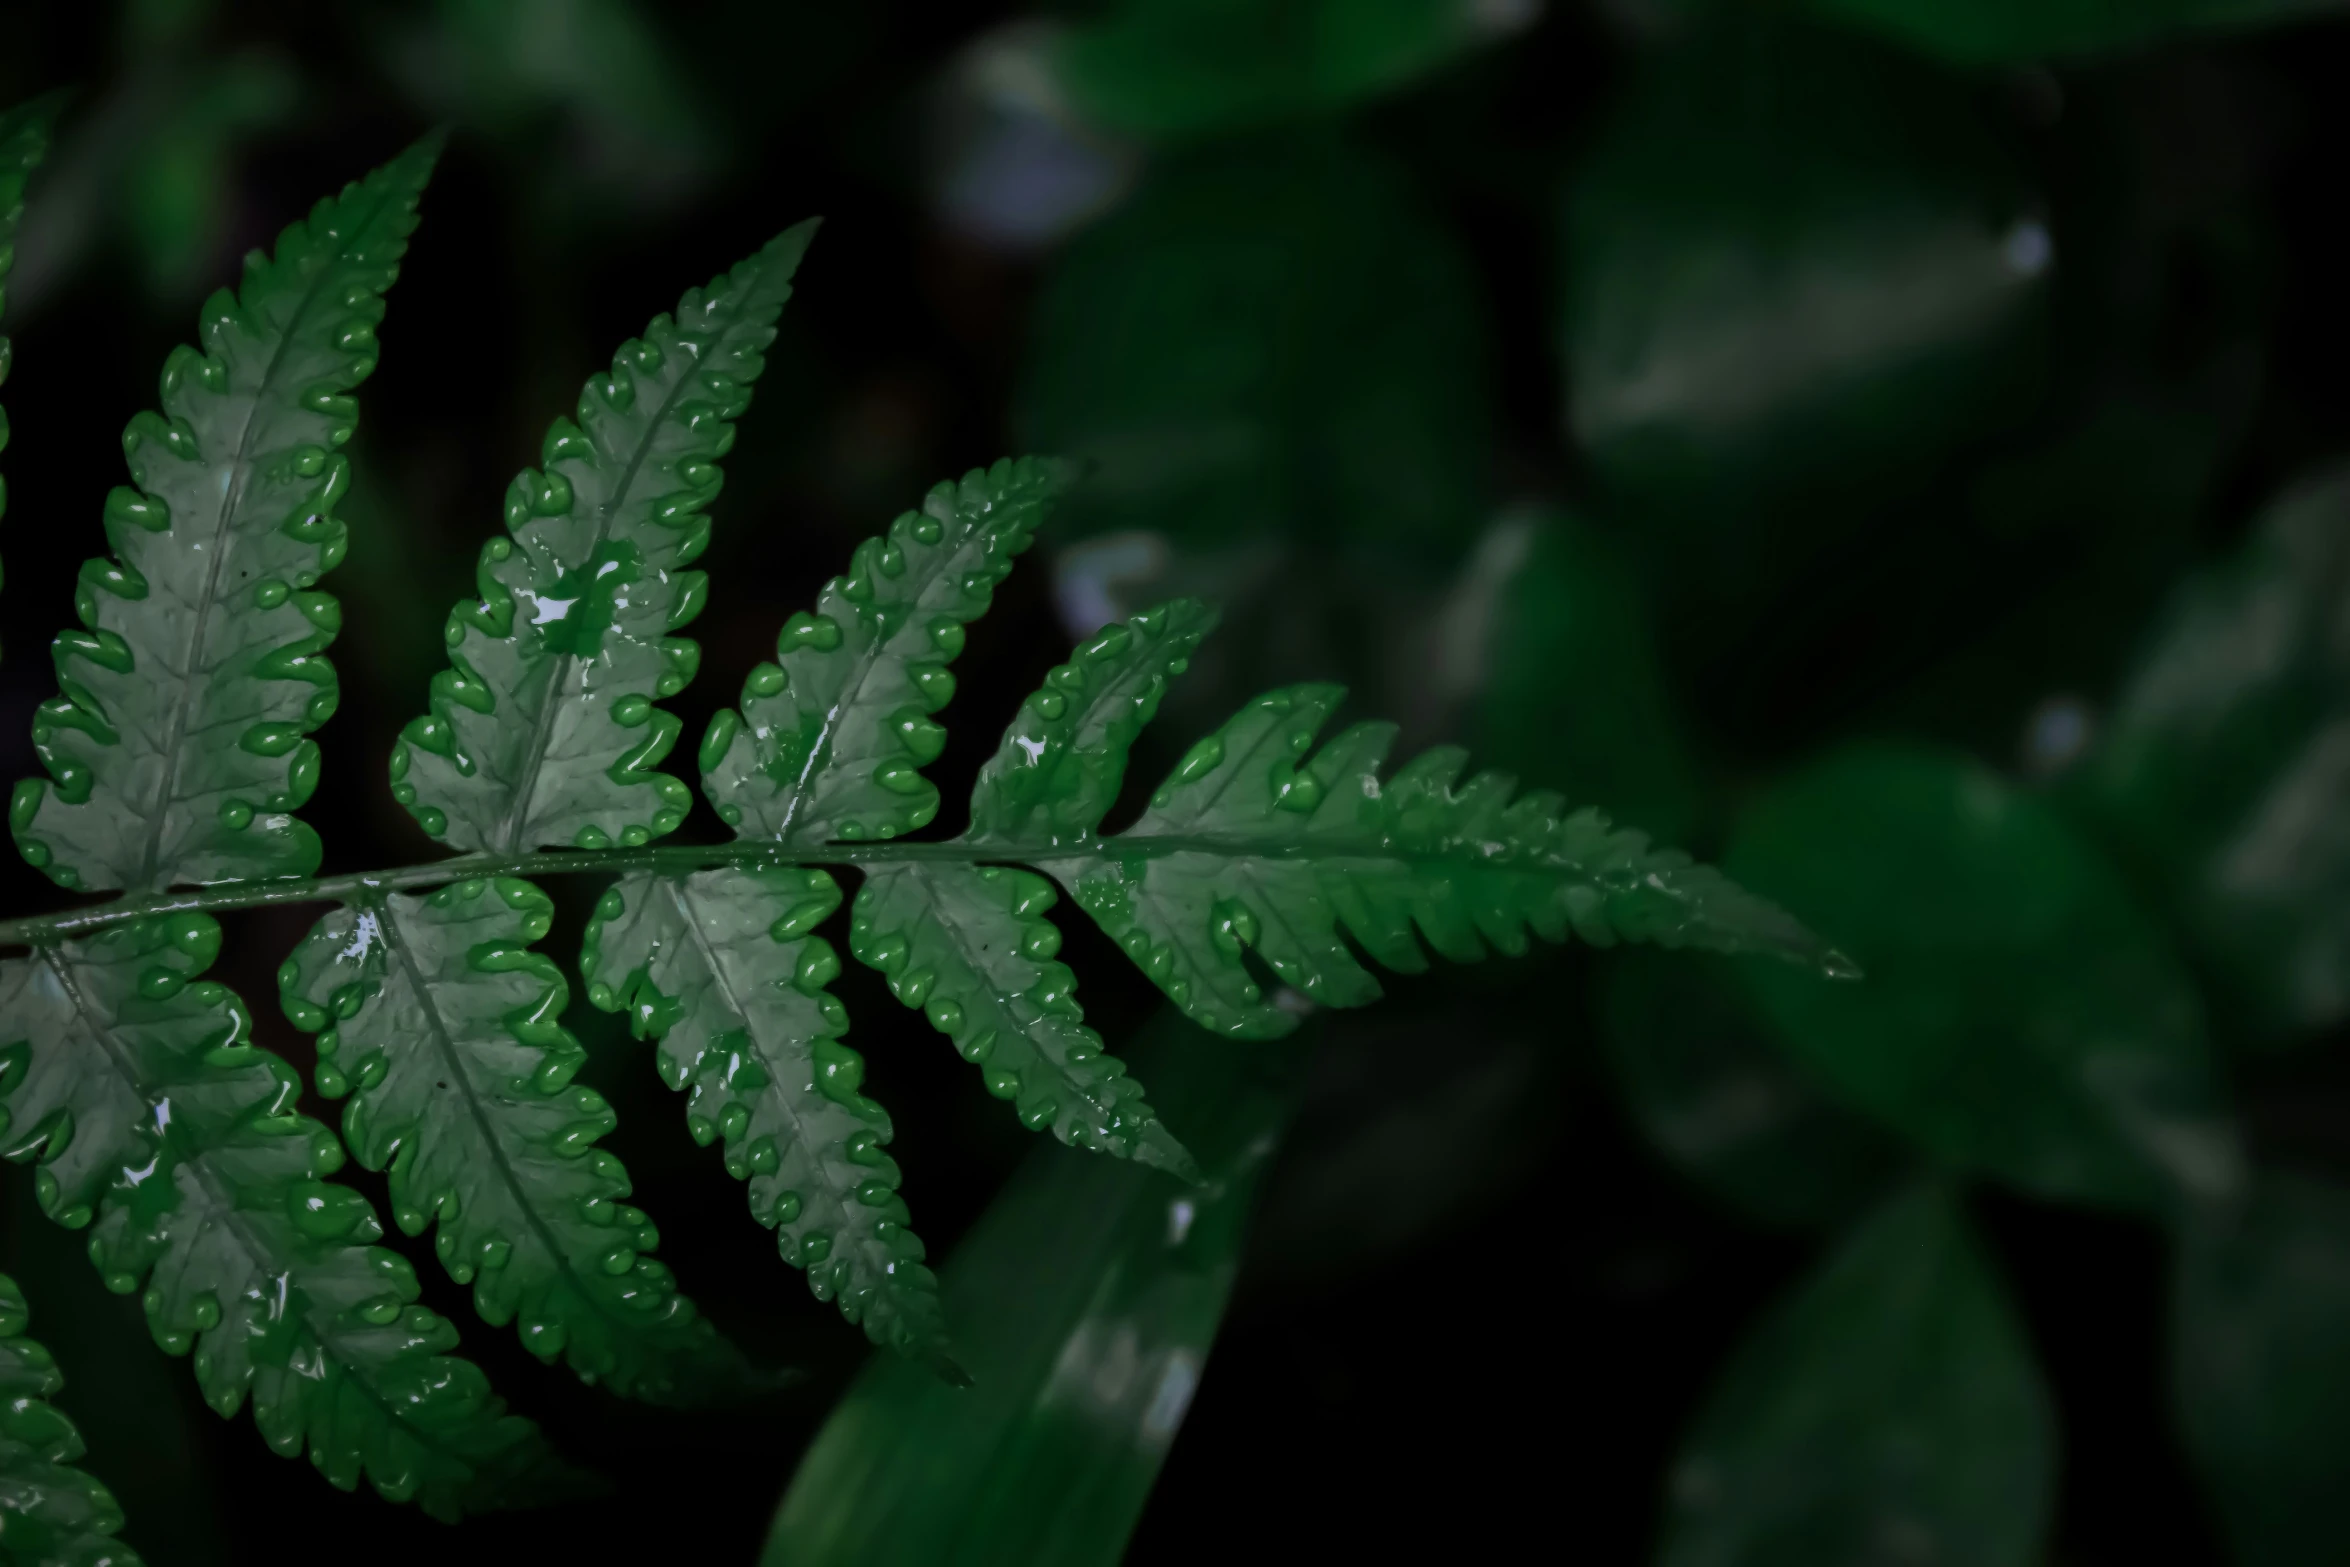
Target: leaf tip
{"type": "Point", "coordinates": [786, 248]}
{"type": "Point", "coordinates": [424, 152]}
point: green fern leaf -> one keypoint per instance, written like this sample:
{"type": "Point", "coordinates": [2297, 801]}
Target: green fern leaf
{"type": "Point", "coordinates": [695, 961]}
{"type": "Point", "coordinates": [543, 729]}
{"type": "Point", "coordinates": [1252, 845]}
{"type": "Point", "coordinates": [159, 1125]}
{"type": "Point", "coordinates": [50, 1512]}
{"type": "Point", "coordinates": [445, 1038]}
{"type": "Point", "coordinates": [177, 752]}
{"type": "Point", "coordinates": [24, 139]}
{"type": "Point", "coordinates": [1063, 758]}
{"type": "Point", "coordinates": [971, 947]}
{"type": "Point", "coordinates": [832, 737]}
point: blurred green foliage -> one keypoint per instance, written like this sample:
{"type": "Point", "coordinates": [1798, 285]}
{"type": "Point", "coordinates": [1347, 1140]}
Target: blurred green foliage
{"type": "Point", "coordinates": [2261, 1362]}
{"type": "Point", "coordinates": [2226, 766]}
{"type": "Point", "coordinates": [1269, 341]}
{"type": "Point", "coordinates": [1987, 31]}
{"type": "Point", "coordinates": [2047, 1033]}
{"type": "Point", "coordinates": [1173, 68]}
{"type": "Point", "coordinates": [1887, 1409]}
{"type": "Point", "coordinates": [1896, 442]}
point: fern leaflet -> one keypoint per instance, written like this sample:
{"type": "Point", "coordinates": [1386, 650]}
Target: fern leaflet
{"type": "Point", "coordinates": [721, 968]}
{"type": "Point", "coordinates": [176, 752]}
{"type": "Point", "coordinates": [970, 945]}
{"type": "Point", "coordinates": [49, 1510]}
{"type": "Point", "coordinates": [543, 728]}
{"type": "Point", "coordinates": [833, 736]}
{"type": "Point", "coordinates": [175, 1140]}
{"type": "Point", "coordinates": [1255, 846]}
{"type": "Point", "coordinates": [444, 1037]}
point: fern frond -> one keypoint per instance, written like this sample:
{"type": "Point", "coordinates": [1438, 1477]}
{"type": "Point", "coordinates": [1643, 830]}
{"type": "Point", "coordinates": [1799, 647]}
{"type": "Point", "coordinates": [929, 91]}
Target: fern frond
{"type": "Point", "coordinates": [543, 729]}
{"type": "Point", "coordinates": [971, 946]}
{"type": "Point", "coordinates": [720, 967]}
{"type": "Point", "coordinates": [444, 1035]}
{"type": "Point", "coordinates": [161, 1126]}
{"type": "Point", "coordinates": [176, 752]}
{"type": "Point", "coordinates": [832, 737]}
{"type": "Point", "coordinates": [50, 1512]}
{"type": "Point", "coordinates": [24, 140]}
{"type": "Point", "coordinates": [1258, 844]}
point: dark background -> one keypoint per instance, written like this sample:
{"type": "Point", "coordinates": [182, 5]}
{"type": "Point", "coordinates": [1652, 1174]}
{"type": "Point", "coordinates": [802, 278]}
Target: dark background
{"type": "Point", "coordinates": [1512, 1365]}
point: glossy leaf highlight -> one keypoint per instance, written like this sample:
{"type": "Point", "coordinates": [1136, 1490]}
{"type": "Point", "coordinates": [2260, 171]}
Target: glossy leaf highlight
{"type": "Point", "coordinates": [544, 729]}
{"type": "Point", "coordinates": [440, 1027]}
{"type": "Point", "coordinates": [1086, 1300]}
{"type": "Point", "coordinates": [162, 1129]}
{"type": "Point", "coordinates": [177, 751]}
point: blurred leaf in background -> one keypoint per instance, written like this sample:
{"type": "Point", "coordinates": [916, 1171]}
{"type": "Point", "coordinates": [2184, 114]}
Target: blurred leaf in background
{"type": "Point", "coordinates": [153, 160]}
{"type": "Point", "coordinates": [1984, 32]}
{"type": "Point", "coordinates": [1174, 68]}
{"type": "Point", "coordinates": [1715, 1094]}
{"type": "Point", "coordinates": [2225, 767]}
{"type": "Point", "coordinates": [1084, 1303]}
{"type": "Point", "coordinates": [1368, 1172]}
{"type": "Point", "coordinates": [588, 92]}
{"type": "Point", "coordinates": [1272, 338]}
{"type": "Point", "coordinates": [1801, 274]}
{"type": "Point", "coordinates": [1013, 164]}
{"type": "Point", "coordinates": [1550, 633]}
{"type": "Point", "coordinates": [2021, 1017]}
{"type": "Point", "coordinates": [1273, 360]}
{"type": "Point", "coordinates": [2261, 1368]}
{"type": "Point", "coordinates": [1887, 1411]}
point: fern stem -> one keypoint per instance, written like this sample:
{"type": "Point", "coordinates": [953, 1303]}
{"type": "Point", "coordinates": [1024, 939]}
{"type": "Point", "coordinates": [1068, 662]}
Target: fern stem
{"type": "Point", "coordinates": [44, 930]}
